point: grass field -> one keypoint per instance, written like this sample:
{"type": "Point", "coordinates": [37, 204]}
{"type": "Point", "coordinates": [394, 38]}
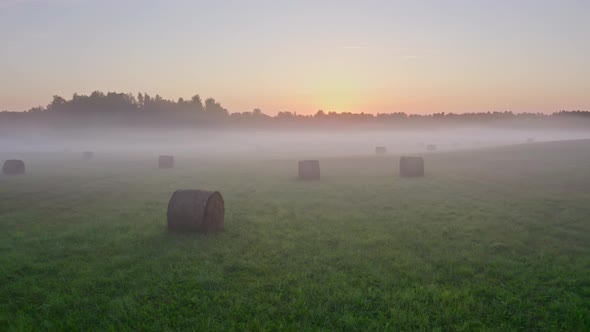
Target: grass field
{"type": "Point", "coordinates": [493, 239]}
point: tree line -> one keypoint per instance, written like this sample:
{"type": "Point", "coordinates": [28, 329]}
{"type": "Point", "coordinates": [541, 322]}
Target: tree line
{"type": "Point", "coordinates": [114, 108]}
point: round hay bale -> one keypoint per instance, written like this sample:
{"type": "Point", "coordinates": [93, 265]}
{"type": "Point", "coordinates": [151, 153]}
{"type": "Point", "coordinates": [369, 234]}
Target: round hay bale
{"type": "Point", "coordinates": [87, 155]}
{"type": "Point", "coordinates": [411, 166]}
{"type": "Point", "coordinates": [13, 167]}
{"type": "Point", "coordinates": [166, 162]}
{"type": "Point", "coordinates": [381, 150]}
{"type": "Point", "coordinates": [431, 147]}
{"type": "Point", "coordinates": [309, 170]}
{"type": "Point", "coordinates": [530, 140]}
{"type": "Point", "coordinates": [196, 211]}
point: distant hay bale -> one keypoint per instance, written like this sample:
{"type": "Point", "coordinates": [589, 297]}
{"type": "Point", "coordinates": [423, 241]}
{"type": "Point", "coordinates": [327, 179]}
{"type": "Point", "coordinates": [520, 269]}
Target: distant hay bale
{"type": "Point", "coordinates": [87, 155]}
{"type": "Point", "coordinates": [411, 166]}
{"type": "Point", "coordinates": [530, 140]}
{"type": "Point", "coordinates": [431, 147]}
{"type": "Point", "coordinates": [166, 162]}
{"type": "Point", "coordinates": [381, 150]}
{"type": "Point", "coordinates": [196, 211]}
{"type": "Point", "coordinates": [309, 170]}
{"type": "Point", "coordinates": [13, 167]}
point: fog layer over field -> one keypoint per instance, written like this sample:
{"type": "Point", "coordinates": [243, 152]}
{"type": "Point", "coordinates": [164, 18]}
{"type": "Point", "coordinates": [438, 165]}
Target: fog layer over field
{"type": "Point", "coordinates": [258, 144]}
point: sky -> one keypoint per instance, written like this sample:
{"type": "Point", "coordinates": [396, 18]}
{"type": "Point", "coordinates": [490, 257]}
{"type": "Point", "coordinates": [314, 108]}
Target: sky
{"type": "Point", "coordinates": [370, 56]}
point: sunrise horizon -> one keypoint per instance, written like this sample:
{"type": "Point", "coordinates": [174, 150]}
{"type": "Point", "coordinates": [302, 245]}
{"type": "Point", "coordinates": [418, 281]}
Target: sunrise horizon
{"type": "Point", "coordinates": [312, 110]}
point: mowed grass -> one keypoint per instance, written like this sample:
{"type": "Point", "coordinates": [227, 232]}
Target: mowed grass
{"type": "Point", "coordinates": [495, 239]}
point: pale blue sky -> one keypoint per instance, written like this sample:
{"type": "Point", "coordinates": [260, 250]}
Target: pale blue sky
{"type": "Point", "coordinates": [372, 56]}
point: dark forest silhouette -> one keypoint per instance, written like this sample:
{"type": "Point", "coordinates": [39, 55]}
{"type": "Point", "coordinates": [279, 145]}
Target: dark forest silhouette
{"type": "Point", "coordinates": [121, 109]}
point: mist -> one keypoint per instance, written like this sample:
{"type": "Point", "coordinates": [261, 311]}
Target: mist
{"type": "Point", "coordinates": [227, 144]}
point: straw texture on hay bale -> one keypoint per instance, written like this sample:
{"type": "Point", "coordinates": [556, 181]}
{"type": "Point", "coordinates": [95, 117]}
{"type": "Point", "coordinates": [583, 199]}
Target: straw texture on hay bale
{"type": "Point", "coordinates": [166, 162]}
{"type": "Point", "coordinates": [87, 155]}
{"type": "Point", "coordinates": [309, 170]}
{"type": "Point", "coordinates": [431, 147]}
{"type": "Point", "coordinates": [196, 211]}
{"type": "Point", "coordinates": [13, 167]}
{"type": "Point", "coordinates": [381, 150]}
{"type": "Point", "coordinates": [411, 166]}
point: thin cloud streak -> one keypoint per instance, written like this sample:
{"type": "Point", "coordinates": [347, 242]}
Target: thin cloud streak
{"type": "Point", "coordinates": [15, 3]}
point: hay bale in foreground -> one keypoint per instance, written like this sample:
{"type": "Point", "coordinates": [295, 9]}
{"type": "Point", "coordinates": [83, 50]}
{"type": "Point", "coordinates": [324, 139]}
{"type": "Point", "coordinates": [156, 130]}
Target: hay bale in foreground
{"type": "Point", "coordinates": [381, 150]}
{"type": "Point", "coordinates": [87, 155]}
{"type": "Point", "coordinates": [13, 167]}
{"type": "Point", "coordinates": [309, 170]}
{"type": "Point", "coordinates": [431, 147]}
{"type": "Point", "coordinates": [411, 166]}
{"type": "Point", "coordinates": [196, 211]}
{"type": "Point", "coordinates": [166, 162]}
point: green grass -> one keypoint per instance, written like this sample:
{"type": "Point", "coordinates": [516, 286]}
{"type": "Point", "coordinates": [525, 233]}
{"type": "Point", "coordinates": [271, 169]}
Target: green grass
{"type": "Point", "coordinates": [495, 239]}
